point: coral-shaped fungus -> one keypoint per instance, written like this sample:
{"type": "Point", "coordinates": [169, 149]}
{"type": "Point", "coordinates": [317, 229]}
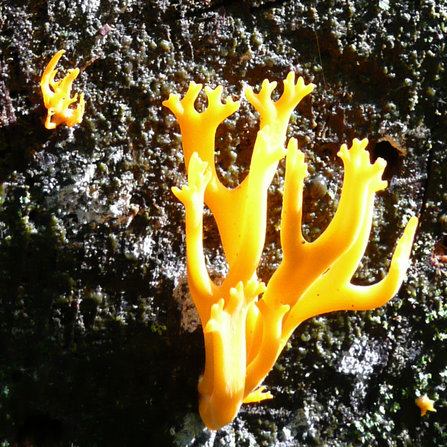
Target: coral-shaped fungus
{"type": "Point", "coordinates": [56, 96]}
{"type": "Point", "coordinates": [246, 323]}
{"type": "Point", "coordinates": [425, 404]}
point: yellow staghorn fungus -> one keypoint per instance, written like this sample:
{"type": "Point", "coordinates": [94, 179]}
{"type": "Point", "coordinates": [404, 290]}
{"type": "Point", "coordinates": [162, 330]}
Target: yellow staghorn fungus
{"type": "Point", "coordinates": [56, 96]}
{"type": "Point", "coordinates": [246, 323]}
{"type": "Point", "coordinates": [425, 404]}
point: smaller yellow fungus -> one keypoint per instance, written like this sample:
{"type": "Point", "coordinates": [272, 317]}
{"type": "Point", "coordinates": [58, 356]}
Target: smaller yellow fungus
{"type": "Point", "coordinates": [56, 96]}
{"type": "Point", "coordinates": [425, 404]}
